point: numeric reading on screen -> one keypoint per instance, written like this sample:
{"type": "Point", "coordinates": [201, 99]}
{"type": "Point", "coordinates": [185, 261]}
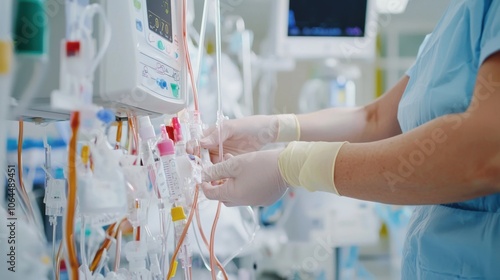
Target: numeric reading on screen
{"type": "Point", "coordinates": [160, 17]}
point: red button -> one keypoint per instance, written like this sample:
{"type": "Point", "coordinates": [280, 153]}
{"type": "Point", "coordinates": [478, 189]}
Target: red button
{"type": "Point", "coordinates": [73, 48]}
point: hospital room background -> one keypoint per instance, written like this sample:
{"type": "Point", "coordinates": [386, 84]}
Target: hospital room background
{"type": "Point", "coordinates": [99, 100]}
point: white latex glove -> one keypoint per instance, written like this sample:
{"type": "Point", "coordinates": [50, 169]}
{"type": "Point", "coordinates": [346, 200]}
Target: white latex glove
{"type": "Point", "coordinates": [250, 134]}
{"type": "Point", "coordinates": [250, 179]}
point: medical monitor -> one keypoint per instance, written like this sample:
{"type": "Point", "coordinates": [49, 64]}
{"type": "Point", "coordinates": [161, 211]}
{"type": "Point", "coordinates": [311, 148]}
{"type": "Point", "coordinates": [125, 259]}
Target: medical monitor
{"type": "Point", "coordinates": [144, 67]}
{"type": "Point", "coordinates": [141, 73]}
{"type": "Point", "coordinates": [325, 28]}
{"type": "Point", "coordinates": [160, 18]}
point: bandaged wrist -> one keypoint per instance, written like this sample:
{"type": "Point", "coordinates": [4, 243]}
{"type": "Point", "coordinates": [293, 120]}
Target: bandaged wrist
{"type": "Point", "coordinates": [310, 165]}
{"type": "Point", "coordinates": [288, 129]}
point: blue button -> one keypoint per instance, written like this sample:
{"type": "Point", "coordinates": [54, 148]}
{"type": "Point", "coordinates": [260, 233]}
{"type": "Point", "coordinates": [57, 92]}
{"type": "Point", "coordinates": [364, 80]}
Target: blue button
{"type": "Point", "coordinates": [138, 25]}
{"type": "Point", "coordinates": [106, 116]}
{"type": "Point", "coordinates": [162, 83]}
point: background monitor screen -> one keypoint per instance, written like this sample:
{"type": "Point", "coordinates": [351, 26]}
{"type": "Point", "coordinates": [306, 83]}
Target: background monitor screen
{"type": "Point", "coordinates": [160, 17]}
{"type": "Point", "coordinates": [327, 18]}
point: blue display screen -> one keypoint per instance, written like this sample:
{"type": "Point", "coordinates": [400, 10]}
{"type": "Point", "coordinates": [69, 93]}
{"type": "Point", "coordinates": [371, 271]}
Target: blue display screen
{"type": "Point", "coordinates": [160, 18]}
{"type": "Point", "coordinates": [327, 18]}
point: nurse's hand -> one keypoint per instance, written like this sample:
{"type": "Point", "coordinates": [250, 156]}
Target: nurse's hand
{"type": "Point", "coordinates": [241, 136]}
{"type": "Point", "coordinates": [251, 179]}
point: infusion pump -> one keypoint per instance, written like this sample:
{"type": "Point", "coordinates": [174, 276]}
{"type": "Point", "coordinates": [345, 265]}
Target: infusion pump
{"type": "Point", "coordinates": [142, 71]}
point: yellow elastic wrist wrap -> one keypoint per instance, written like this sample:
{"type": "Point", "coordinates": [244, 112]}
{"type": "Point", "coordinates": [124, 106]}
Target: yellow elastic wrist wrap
{"type": "Point", "coordinates": [310, 165]}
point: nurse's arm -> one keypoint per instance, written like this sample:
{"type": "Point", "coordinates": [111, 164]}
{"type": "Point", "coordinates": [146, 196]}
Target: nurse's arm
{"type": "Point", "coordinates": [375, 121]}
{"type": "Point", "coordinates": [452, 158]}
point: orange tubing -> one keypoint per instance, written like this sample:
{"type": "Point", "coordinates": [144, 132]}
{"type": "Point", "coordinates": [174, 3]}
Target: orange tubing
{"type": "Point", "coordinates": [119, 132]}
{"type": "Point", "coordinates": [204, 238]}
{"type": "Point", "coordinates": [72, 192]}
{"type": "Point", "coordinates": [188, 57]}
{"type": "Point", "coordinates": [112, 231]}
{"type": "Point", "coordinates": [212, 241]}
{"type": "Point", "coordinates": [105, 245]}
{"type": "Point", "coordinates": [24, 194]}
{"type": "Point", "coordinates": [184, 232]}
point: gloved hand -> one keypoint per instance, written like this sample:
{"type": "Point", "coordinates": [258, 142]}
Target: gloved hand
{"type": "Point", "coordinates": [250, 179]}
{"type": "Point", "coordinates": [251, 134]}
{"type": "Point", "coordinates": [261, 178]}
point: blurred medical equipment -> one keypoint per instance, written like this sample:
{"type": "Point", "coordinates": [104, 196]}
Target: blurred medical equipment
{"type": "Point", "coordinates": [321, 29]}
{"type": "Point", "coordinates": [332, 29]}
{"type": "Point", "coordinates": [391, 6]}
{"type": "Point", "coordinates": [322, 239]}
{"type": "Point", "coordinates": [315, 31]}
{"type": "Point", "coordinates": [124, 194]}
{"type": "Point", "coordinates": [147, 33]}
{"type": "Point", "coordinates": [397, 219]}
{"type": "Point", "coordinates": [29, 259]}
{"type": "Point", "coordinates": [113, 68]}
{"type": "Point", "coordinates": [6, 74]}
{"type": "Point", "coordinates": [333, 85]}
{"type": "Point", "coordinates": [155, 84]}
{"type": "Point", "coordinates": [236, 64]}
{"type": "Point", "coordinates": [31, 49]}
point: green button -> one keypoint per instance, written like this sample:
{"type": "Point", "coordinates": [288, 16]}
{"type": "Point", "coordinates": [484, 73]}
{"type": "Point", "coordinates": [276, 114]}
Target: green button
{"type": "Point", "coordinates": [175, 90]}
{"type": "Point", "coordinates": [137, 4]}
{"type": "Point", "coordinates": [161, 46]}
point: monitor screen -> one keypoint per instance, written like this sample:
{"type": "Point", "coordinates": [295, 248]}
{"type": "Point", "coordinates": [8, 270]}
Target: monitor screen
{"type": "Point", "coordinates": [160, 18]}
{"type": "Point", "coordinates": [327, 18]}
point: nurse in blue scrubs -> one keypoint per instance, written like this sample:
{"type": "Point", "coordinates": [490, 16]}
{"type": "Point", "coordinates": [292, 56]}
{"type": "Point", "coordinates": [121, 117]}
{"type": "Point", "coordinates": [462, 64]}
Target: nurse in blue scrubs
{"type": "Point", "coordinates": [433, 141]}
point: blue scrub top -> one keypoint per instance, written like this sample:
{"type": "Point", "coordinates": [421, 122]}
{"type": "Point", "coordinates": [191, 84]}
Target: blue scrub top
{"type": "Point", "coordinates": [459, 240]}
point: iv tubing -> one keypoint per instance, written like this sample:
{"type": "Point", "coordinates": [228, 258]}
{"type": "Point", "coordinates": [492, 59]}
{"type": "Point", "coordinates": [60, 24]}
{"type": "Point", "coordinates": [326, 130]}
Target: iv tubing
{"type": "Point", "coordinates": [200, 229]}
{"type": "Point", "coordinates": [112, 232]}
{"type": "Point", "coordinates": [73, 12]}
{"type": "Point", "coordinates": [104, 246]}
{"type": "Point", "coordinates": [58, 261]}
{"type": "Point", "coordinates": [164, 236]}
{"type": "Point", "coordinates": [82, 243]}
{"type": "Point", "coordinates": [184, 232]}
{"type": "Point", "coordinates": [53, 219]}
{"type": "Point", "coordinates": [130, 136]}
{"type": "Point", "coordinates": [137, 229]}
{"type": "Point", "coordinates": [212, 241]}
{"type": "Point", "coordinates": [69, 218]}
{"type": "Point", "coordinates": [92, 10]}
{"type": "Point", "coordinates": [201, 45]}
{"type": "Point", "coordinates": [135, 133]}
{"type": "Point", "coordinates": [54, 266]}
{"type": "Point", "coordinates": [118, 249]}
{"type": "Point", "coordinates": [220, 119]}
{"type": "Point", "coordinates": [218, 52]}
{"type": "Point", "coordinates": [252, 238]}
{"type": "Point", "coordinates": [237, 252]}
{"type": "Point", "coordinates": [103, 261]}
{"type": "Point", "coordinates": [24, 194]}
{"type": "Point", "coordinates": [246, 57]}
{"type": "Point", "coordinates": [119, 132]}
{"type": "Point", "coordinates": [188, 57]}
{"type": "Point", "coordinates": [164, 261]}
